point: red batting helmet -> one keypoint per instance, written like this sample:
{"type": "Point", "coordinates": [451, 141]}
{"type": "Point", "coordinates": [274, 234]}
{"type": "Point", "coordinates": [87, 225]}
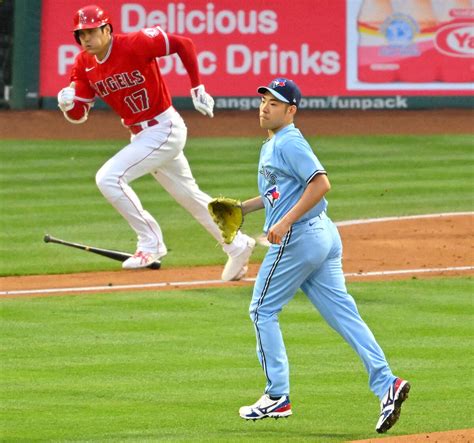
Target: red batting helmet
{"type": "Point", "coordinates": [90, 17]}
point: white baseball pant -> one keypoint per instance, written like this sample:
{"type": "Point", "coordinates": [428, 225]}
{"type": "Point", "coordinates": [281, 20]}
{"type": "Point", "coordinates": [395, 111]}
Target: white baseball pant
{"type": "Point", "coordinates": [157, 150]}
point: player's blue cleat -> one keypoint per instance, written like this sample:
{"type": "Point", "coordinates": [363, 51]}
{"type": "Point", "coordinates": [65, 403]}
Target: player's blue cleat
{"type": "Point", "coordinates": [266, 407]}
{"type": "Point", "coordinates": [391, 405]}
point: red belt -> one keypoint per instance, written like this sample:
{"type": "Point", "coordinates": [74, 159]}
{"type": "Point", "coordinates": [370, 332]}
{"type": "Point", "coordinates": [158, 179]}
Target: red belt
{"type": "Point", "coordinates": [135, 129]}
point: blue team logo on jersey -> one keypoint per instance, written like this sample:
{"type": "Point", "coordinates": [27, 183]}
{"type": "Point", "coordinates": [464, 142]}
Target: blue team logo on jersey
{"type": "Point", "coordinates": [272, 195]}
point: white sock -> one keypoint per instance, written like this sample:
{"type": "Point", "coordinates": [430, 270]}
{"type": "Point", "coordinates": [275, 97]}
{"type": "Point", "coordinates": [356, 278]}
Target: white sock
{"type": "Point", "coordinates": [236, 247]}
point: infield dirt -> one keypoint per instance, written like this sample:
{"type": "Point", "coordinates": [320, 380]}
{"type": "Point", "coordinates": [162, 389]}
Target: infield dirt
{"type": "Point", "coordinates": [419, 248]}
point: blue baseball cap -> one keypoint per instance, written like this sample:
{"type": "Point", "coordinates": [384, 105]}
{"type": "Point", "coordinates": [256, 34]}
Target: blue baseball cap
{"type": "Point", "coordinates": [284, 90]}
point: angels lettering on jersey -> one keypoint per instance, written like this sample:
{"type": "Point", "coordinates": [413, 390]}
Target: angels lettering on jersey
{"type": "Point", "coordinates": [118, 81]}
{"type": "Point", "coordinates": [128, 78]}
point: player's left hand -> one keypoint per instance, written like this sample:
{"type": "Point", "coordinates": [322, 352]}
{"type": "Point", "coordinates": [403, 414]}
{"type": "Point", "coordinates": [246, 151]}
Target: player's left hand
{"type": "Point", "coordinates": [202, 101]}
{"type": "Point", "coordinates": [276, 233]}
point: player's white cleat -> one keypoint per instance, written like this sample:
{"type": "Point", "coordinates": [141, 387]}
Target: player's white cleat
{"type": "Point", "coordinates": [237, 264]}
{"type": "Point", "coordinates": [266, 407]}
{"type": "Point", "coordinates": [391, 405]}
{"type": "Point", "coordinates": [141, 260]}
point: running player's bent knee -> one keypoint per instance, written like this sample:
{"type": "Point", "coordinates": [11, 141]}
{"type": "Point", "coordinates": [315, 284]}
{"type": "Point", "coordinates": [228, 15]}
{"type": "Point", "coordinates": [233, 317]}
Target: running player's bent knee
{"type": "Point", "coordinates": [108, 184]}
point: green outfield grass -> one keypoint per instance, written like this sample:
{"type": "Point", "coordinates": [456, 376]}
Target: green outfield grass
{"type": "Point", "coordinates": [49, 187]}
{"type": "Point", "coordinates": [176, 366]}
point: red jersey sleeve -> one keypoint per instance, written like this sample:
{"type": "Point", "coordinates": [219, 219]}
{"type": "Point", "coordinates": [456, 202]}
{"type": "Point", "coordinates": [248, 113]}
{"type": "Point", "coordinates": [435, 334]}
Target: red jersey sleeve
{"type": "Point", "coordinates": [150, 42]}
{"type": "Point", "coordinates": [186, 51]}
{"type": "Point", "coordinates": [154, 42]}
{"type": "Point", "coordinates": [84, 92]}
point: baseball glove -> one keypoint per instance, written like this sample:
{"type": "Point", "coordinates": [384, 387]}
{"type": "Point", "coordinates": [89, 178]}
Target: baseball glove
{"type": "Point", "coordinates": [227, 215]}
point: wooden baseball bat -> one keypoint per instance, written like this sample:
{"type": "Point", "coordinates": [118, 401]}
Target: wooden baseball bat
{"type": "Point", "coordinates": [114, 255]}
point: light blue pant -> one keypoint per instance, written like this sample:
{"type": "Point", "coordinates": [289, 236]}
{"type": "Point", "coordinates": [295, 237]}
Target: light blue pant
{"type": "Point", "coordinates": [310, 258]}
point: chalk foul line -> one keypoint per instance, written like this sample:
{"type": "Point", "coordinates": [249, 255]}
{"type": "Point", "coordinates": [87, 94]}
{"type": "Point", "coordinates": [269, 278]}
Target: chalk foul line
{"type": "Point", "coordinates": [364, 221]}
{"type": "Point", "coordinates": [188, 284]}
{"type": "Point", "coordinates": [172, 285]}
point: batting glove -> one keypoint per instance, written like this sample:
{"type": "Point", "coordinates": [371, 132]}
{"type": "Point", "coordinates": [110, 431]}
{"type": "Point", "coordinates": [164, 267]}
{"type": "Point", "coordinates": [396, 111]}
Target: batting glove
{"type": "Point", "coordinates": [202, 101]}
{"type": "Point", "coordinates": [66, 98]}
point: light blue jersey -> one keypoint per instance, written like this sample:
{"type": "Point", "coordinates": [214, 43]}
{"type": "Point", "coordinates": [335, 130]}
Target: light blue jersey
{"type": "Point", "coordinates": [287, 164]}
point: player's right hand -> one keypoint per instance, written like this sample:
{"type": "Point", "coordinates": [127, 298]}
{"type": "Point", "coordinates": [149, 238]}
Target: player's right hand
{"type": "Point", "coordinates": [202, 101]}
{"type": "Point", "coordinates": [66, 97]}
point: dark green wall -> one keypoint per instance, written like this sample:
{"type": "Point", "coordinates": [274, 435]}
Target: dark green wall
{"type": "Point", "coordinates": [26, 43]}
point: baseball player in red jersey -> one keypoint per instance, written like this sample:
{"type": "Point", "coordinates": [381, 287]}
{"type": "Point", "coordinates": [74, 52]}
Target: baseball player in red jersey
{"type": "Point", "coordinates": [123, 71]}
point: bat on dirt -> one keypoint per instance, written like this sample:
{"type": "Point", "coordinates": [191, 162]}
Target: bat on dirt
{"type": "Point", "coordinates": [114, 255]}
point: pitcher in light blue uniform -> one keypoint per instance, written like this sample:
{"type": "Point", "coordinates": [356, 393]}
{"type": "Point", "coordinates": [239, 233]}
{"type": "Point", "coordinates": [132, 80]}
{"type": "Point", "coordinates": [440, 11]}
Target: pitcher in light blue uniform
{"type": "Point", "coordinates": [306, 253]}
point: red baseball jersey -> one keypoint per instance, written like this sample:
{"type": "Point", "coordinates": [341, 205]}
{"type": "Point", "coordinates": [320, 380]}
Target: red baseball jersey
{"type": "Point", "coordinates": [128, 79]}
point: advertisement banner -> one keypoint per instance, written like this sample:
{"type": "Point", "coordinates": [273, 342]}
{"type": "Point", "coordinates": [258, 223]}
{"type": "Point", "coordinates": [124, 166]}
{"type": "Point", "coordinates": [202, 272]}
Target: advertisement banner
{"type": "Point", "coordinates": [331, 48]}
{"type": "Point", "coordinates": [410, 45]}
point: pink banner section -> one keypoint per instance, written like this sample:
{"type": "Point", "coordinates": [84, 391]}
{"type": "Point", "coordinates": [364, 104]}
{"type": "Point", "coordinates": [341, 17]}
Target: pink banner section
{"type": "Point", "coordinates": [329, 47]}
{"type": "Point", "coordinates": [421, 41]}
